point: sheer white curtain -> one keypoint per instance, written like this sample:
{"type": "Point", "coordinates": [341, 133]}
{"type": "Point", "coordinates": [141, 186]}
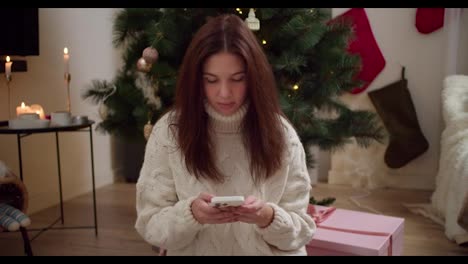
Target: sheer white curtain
{"type": "Point", "coordinates": [448, 199]}
{"type": "Point", "coordinates": [452, 22]}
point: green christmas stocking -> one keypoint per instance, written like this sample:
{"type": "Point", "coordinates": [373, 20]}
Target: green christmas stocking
{"type": "Point", "coordinates": [395, 107]}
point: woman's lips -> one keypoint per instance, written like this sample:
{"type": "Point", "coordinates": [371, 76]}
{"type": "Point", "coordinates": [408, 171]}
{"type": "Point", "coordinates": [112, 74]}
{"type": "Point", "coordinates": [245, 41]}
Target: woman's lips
{"type": "Point", "coordinates": [226, 106]}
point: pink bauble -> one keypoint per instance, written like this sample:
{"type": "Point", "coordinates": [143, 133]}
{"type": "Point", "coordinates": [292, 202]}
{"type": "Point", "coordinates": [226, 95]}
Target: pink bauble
{"type": "Point", "coordinates": [150, 54]}
{"type": "Point", "coordinates": [143, 65]}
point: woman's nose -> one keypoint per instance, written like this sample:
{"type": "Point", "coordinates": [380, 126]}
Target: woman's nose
{"type": "Point", "coordinates": [224, 90]}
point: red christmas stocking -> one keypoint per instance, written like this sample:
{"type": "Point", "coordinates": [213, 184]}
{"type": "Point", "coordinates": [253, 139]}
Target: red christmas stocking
{"type": "Point", "coordinates": [429, 20]}
{"type": "Point", "coordinates": [365, 45]}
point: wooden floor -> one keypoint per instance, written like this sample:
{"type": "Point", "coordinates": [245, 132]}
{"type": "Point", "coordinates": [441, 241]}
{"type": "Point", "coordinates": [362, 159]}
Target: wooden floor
{"type": "Point", "coordinates": [117, 237]}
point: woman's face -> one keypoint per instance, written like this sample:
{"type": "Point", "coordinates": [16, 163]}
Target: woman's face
{"type": "Point", "coordinates": [224, 82]}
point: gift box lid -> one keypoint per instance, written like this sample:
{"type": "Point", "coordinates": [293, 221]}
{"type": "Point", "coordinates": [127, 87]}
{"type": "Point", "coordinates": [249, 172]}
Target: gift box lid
{"type": "Point", "coordinates": [359, 233]}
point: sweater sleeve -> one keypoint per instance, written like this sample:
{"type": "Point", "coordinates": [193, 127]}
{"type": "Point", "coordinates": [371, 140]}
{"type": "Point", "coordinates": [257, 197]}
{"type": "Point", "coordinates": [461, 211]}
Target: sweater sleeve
{"type": "Point", "coordinates": [162, 219]}
{"type": "Point", "coordinates": [292, 228]}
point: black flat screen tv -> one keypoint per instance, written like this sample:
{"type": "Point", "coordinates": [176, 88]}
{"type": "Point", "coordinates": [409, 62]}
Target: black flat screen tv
{"type": "Point", "coordinates": [20, 31]}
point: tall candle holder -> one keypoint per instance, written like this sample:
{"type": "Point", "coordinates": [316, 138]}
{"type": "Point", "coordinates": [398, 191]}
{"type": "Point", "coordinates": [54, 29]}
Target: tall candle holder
{"type": "Point", "coordinates": [67, 82]}
{"type": "Point", "coordinates": [8, 80]}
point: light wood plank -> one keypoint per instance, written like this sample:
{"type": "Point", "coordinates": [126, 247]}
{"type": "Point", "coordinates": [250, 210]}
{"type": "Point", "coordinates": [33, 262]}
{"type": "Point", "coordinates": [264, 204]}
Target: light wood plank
{"type": "Point", "coordinates": [116, 218]}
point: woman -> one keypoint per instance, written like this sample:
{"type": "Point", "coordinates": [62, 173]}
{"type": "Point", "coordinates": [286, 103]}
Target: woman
{"type": "Point", "coordinates": [226, 136]}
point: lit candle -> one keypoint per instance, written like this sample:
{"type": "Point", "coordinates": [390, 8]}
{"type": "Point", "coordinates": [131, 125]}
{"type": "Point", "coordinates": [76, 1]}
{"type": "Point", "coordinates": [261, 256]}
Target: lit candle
{"type": "Point", "coordinates": [23, 109]}
{"type": "Point", "coordinates": [66, 58]}
{"type": "Point", "coordinates": [35, 108]}
{"type": "Point", "coordinates": [8, 66]}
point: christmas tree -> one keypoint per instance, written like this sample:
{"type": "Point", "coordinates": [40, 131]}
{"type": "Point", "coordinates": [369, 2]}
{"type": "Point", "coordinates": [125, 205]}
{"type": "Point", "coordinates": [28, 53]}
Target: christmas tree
{"type": "Point", "coordinates": [308, 55]}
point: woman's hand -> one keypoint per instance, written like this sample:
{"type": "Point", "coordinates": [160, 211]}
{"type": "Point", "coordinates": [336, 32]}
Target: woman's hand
{"type": "Point", "coordinates": [206, 214]}
{"type": "Point", "coordinates": [255, 211]}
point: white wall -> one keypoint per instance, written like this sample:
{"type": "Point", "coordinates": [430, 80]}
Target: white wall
{"type": "Point", "coordinates": [424, 59]}
{"type": "Point", "coordinates": [462, 67]}
{"type": "Point", "coordinates": [87, 32]}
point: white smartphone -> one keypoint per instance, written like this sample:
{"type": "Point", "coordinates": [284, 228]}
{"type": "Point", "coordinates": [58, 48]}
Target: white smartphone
{"type": "Point", "coordinates": [224, 201]}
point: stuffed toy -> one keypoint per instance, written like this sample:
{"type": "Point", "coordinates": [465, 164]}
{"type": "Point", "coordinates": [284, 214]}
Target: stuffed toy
{"type": "Point", "coordinates": [12, 199]}
{"type": "Point", "coordinates": [12, 218]}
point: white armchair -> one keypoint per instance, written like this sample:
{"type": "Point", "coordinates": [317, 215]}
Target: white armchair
{"type": "Point", "coordinates": [450, 198]}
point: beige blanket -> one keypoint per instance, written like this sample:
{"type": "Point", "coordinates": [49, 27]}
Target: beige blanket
{"type": "Point", "coordinates": [463, 215]}
{"type": "Point", "coordinates": [449, 202]}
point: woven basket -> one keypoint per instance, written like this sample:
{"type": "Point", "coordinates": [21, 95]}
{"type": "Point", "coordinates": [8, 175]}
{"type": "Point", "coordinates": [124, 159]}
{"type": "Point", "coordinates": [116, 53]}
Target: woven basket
{"type": "Point", "coordinates": [13, 192]}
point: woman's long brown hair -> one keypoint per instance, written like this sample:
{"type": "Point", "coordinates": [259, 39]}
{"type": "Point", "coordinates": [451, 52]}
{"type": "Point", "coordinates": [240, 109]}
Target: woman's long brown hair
{"type": "Point", "coordinates": [262, 131]}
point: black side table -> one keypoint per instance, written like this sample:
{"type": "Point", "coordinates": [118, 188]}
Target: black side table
{"type": "Point", "coordinates": [21, 133]}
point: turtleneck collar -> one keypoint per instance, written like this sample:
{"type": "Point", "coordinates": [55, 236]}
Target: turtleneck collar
{"type": "Point", "coordinates": [226, 124]}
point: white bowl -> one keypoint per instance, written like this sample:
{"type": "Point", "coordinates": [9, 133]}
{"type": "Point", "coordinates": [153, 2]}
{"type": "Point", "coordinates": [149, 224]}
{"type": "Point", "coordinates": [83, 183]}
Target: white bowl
{"type": "Point", "coordinates": [29, 116]}
{"type": "Point", "coordinates": [80, 120]}
{"type": "Point", "coordinates": [27, 123]}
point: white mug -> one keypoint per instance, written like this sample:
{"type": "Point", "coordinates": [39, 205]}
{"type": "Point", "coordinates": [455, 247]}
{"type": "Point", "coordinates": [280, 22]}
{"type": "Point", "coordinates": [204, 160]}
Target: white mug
{"type": "Point", "coordinates": [60, 118]}
{"type": "Point", "coordinates": [80, 120]}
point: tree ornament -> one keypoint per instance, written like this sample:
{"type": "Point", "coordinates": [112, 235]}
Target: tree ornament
{"type": "Point", "coordinates": [149, 88]}
{"type": "Point", "coordinates": [148, 127]}
{"type": "Point", "coordinates": [103, 111]}
{"type": "Point", "coordinates": [150, 55]}
{"type": "Point", "coordinates": [158, 103]}
{"type": "Point", "coordinates": [252, 22]}
{"type": "Point", "coordinates": [143, 65]}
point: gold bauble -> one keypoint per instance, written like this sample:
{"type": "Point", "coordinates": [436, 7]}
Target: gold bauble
{"type": "Point", "coordinates": [143, 65]}
{"type": "Point", "coordinates": [103, 112]}
{"type": "Point", "coordinates": [147, 130]}
{"type": "Point", "coordinates": [150, 55]}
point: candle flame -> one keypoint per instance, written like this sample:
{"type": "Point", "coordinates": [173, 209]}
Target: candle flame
{"type": "Point", "coordinates": [65, 50]}
{"type": "Point", "coordinates": [7, 58]}
{"type": "Point", "coordinates": [22, 105]}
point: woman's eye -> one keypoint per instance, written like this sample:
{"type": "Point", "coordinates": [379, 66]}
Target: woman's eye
{"type": "Point", "coordinates": [238, 79]}
{"type": "Point", "coordinates": [210, 80]}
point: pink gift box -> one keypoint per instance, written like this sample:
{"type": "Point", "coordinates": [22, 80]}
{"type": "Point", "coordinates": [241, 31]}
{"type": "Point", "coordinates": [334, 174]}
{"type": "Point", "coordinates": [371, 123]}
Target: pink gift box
{"type": "Point", "coordinates": [347, 232]}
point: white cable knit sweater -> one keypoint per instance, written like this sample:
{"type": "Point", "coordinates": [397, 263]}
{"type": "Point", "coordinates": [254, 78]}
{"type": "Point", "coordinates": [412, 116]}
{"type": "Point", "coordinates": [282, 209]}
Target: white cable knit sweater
{"type": "Point", "coordinates": [165, 191]}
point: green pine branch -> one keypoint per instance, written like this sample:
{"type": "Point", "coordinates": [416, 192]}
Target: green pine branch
{"type": "Point", "coordinates": [98, 90]}
{"type": "Point", "coordinates": [323, 202]}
